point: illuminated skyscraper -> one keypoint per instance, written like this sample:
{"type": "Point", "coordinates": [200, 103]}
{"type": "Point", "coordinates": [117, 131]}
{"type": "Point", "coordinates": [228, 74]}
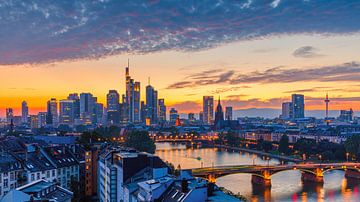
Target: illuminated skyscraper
{"type": "Point", "coordinates": [132, 98]}
{"type": "Point", "coordinates": [87, 108]}
{"type": "Point", "coordinates": [229, 113]}
{"type": "Point", "coordinates": [75, 97]}
{"type": "Point", "coordinates": [173, 115]}
{"type": "Point", "coordinates": [67, 112]}
{"type": "Point", "coordinates": [162, 111]}
{"type": "Point", "coordinates": [298, 106]}
{"type": "Point", "coordinates": [52, 117]}
{"type": "Point", "coordinates": [152, 104]}
{"type": "Point", "coordinates": [208, 109]}
{"type": "Point", "coordinates": [24, 112]}
{"type": "Point", "coordinates": [113, 107]}
{"type": "Point", "coordinates": [286, 109]}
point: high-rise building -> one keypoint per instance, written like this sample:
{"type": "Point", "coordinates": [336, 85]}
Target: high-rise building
{"type": "Point", "coordinates": [143, 112]}
{"type": "Point", "coordinates": [191, 117]}
{"type": "Point", "coordinates": [113, 107]}
{"type": "Point", "coordinates": [151, 104]}
{"type": "Point", "coordinates": [286, 110]}
{"type": "Point", "coordinates": [9, 115]}
{"type": "Point", "coordinates": [229, 113]}
{"type": "Point", "coordinates": [87, 108]}
{"type": "Point", "coordinates": [162, 111]}
{"type": "Point", "coordinates": [219, 116]}
{"type": "Point", "coordinates": [24, 112]}
{"type": "Point", "coordinates": [42, 119]}
{"type": "Point", "coordinates": [132, 98]}
{"type": "Point", "coordinates": [75, 97]}
{"type": "Point", "coordinates": [298, 106]}
{"type": "Point", "coordinates": [173, 115]}
{"type": "Point", "coordinates": [52, 117]}
{"type": "Point", "coordinates": [208, 109]}
{"type": "Point", "coordinates": [201, 116]}
{"type": "Point", "coordinates": [67, 112]}
{"type": "Point", "coordinates": [346, 115]}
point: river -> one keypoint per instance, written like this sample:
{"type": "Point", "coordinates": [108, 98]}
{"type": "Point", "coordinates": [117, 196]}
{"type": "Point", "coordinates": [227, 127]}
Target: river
{"type": "Point", "coordinates": [286, 186]}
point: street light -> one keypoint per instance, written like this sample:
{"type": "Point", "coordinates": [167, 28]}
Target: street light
{"type": "Point", "coordinates": [347, 156]}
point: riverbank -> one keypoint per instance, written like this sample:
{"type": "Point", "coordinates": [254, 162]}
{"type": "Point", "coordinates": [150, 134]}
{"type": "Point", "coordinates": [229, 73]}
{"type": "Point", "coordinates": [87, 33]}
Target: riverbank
{"type": "Point", "coordinates": [280, 157]}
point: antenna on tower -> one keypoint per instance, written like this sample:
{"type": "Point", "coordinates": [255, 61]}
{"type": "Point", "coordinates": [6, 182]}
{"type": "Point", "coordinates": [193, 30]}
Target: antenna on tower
{"type": "Point", "coordinates": [149, 80]}
{"type": "Point", "coordinates": [128, 63]}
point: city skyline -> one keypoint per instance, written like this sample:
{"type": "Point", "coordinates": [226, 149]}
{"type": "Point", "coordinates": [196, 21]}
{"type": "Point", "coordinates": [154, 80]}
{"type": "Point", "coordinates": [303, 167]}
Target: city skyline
{"type": "Point", "coordinates": [312, 58]}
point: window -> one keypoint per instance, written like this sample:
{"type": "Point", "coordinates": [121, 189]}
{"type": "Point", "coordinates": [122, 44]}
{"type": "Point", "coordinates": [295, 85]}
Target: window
{"type": "Point", "coordinates": [12, 176]}
{"type": "Point", "coordinates": [53, 173]}
{"type": "Point", "coordinates": [32, 177]}
{"type": "Point", "coordinates": [6, 183]}
{"type": "Point", "coordinates": [48, 174]}
{"type": "Point", "coordinates": [38, 176]}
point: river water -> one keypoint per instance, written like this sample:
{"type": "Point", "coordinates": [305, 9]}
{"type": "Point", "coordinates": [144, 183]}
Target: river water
{"type": "Point", "coordinates": [286, 186]}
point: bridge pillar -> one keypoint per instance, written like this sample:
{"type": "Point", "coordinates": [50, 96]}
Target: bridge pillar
{"type": "Point", "coordinates": [316, 177]}
{"type": "Point", "coordinates": [257, 180]}
{"type": "Point", "coordinates": [352, 174]}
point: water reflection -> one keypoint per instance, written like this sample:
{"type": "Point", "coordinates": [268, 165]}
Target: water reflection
{"type": "Point", "coordinates": [286, 186]}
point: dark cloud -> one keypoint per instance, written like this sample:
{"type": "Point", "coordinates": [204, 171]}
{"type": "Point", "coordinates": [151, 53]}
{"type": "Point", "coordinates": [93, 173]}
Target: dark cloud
{"type": "Point", "coordinates": [344, 72]}
{"type": "Point", "coordinates": [306, 52]}
{"type": "Point", "coordinates": [43, 31]}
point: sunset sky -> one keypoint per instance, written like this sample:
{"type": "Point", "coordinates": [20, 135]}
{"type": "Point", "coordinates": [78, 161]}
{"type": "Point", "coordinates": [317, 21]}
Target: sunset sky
{"type": "Point", "coordinates": [254, 54]}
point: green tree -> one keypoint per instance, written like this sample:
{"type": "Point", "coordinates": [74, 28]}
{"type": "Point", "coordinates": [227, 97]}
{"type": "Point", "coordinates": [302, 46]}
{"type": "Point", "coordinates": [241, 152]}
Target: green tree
{"type": "Point", "coordinates": [266, 146]}
{"type": "Point", "coordinates": [306, 146]}
{"type": "Point", "coordinates": [284, 144]}
{"type": "Point", "coordinates": [232, 139]}
{"type": "Point", "coordinates": [140, 141]}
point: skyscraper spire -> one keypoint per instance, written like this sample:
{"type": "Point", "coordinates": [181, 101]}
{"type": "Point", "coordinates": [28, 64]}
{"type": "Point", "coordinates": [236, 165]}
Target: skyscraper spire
{"type": "Point", "coordinates": [149, 80]}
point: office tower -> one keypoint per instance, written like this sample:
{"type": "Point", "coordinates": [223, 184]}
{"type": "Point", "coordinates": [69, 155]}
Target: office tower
{"type": "Point", "coordinates": [173, 115]}
{"type": "Point", "coordinates": [229, 113]}
{"type": "Point", "coordinates": [162, 111]}
{"type": "Point", "coordinates": [201, 116]}
{"type": "Point", "coordinates": [151, 104]}
{"type": "Point", "coordinates": [99, 113]}
{"type": "Point", "coordinates": [143, 112]}
{"type": "Point", "coordinates": [34, 121]}
{"type": "Point", "coordinates": [219, 116]}
{"type": "Point", "coordinates": [191, 117]}
{"type": "Point", "coordinates": [132, 98]}
{"type": "Point", "coordinates": [346, 115]}
{"type": "Point", "coordinates": [52, 117]}
{"type": "Point", "coordinates": [24, 112]}
{"type": "Point", "coordinates": [87, 108]}
{"type": "Point", "coordinates": [298, 106]}
{"type": "Point", "coordinates": [286, 110]}
{"type": "Point", "coordinates": [75, 97]}
{"type": "Point", "coordinates": [113, 107]}
{"type": "Point", "coordinates": [9, 115]}
{"type": "Point", "coordinates": [67, 112]}
{"type": "Point", "coordinates": [136, 109]}
{"type": "Point", "coordinates": [42, 119]}
{"type": "Point", "coordinates": [208, 109]}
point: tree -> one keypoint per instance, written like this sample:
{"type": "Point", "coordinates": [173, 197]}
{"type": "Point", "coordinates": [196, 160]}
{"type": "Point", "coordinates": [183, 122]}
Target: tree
{"type": "Point", "coordinates": [284, 144]}
{"type": "Point", "coordinates": [352, 146]}
{"type": "Point", "coordinates": [306, 146]}
{"type": "Point", "coordinates": [140, 141]}
{"type": "Point", "coordinates": [232, 139]}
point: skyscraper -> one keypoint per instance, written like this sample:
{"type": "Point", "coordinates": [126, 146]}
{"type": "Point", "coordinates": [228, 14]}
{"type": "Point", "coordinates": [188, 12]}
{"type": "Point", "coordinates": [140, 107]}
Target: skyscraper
{"type": "Point", "coordinates": [151, 104]}
{"type": "Point", "coordinates": [208, 109]}
{"type": "Point", "coordinates": [9, 115]}
{"type": "Point", "coordinates": [132, 98]}
{"type": "Point", "coordinates": [87, 108]}
{"type": "Point", "coordinates": [298, 106]}
{"type": "Point", "coordinates": [75, 97]}
{"type": "Point", "coordinates": [219, 116]}
{"type": "Point", "coordinates": [113, 107]}
{"type": "Point", "coordinates": [67, 112]}
{"type": "Point", "coordinates": [173, 115]}
{"type": "Point", "coordinates": [52, 117]}
{"type": "Point", "coordinates": [24, 112]}
{"type": "Point", "coordinates": [162, 111]}
{"type": "Point", "coordinates": [286, 110]}
{"type": "Point", "coordinates": [229, 113]}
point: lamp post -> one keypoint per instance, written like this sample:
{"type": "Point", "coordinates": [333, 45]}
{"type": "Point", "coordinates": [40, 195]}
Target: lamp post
{"type": "Point", "coordinates": [347, 156]}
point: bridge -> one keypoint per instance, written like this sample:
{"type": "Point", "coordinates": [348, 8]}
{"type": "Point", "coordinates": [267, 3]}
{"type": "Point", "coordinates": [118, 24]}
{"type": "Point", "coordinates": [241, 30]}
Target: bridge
{"type": "Point", "coordinates": [261, 175]}
{"type": "Point", "coordinates": [182, 138]}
